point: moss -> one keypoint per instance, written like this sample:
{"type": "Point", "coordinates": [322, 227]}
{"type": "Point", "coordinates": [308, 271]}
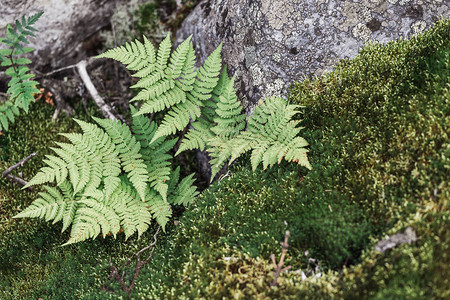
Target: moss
{"type": "Point", "coordinates": [379, 149]}
{"type": "Point", "coordinates": [377, 126]}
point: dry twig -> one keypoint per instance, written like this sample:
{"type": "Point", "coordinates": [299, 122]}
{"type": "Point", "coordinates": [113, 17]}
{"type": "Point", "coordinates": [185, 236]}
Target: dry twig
{"type": "Point", "coordinates": [104, 108]}
{"type": "Point", "coordinates": [6, 173]}
{"type": "Point", "coordinates": [139, 265]}
{"type": "Point", "coordinates": [279, 268]}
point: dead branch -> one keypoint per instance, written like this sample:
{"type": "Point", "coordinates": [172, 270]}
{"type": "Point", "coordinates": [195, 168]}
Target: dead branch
{"type": "Point", "coordinates": [104, 108]}
{"type": "Point", "coordinates": [279, 268]}
{"type": "Point", "coordinates": [18, 180]}
{"type": "Point", "coordinates": [82, 71]}
{"type": "Point", "coordinates": [89, 61]}
{"type": "Point", "coordinates": [19, 164]}
{"type": "Point", "coordinates": [114, 275]}
{"type": "Point", "coordinates": [6, 173]}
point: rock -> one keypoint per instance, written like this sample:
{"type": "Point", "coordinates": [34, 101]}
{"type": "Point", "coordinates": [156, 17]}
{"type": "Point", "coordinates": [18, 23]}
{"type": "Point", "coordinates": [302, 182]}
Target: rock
{"type": "Point", "coordinates": [268, 44]}
{"type": "Point", "coordinates": [396, 240]}
{"type": "Point", "coordinates": [65, 28]}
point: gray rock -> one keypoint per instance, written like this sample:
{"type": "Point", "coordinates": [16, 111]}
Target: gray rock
{"type": "Point", "coordinates": [396, 240]}
{"type": "Point", "coordinates": [63, 28]}
{"type": "Point", "coordinates": [270, 43]}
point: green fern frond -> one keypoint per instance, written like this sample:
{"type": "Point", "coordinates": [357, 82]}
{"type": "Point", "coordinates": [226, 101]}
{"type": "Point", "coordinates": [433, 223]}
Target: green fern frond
{"type": "Point", "coordinates": [178, 59]}
{"type": "Point", "coordinates": [163, 53]}
{"type": "Point", "coordinates": [134, 55]}
{"type": "Point", "coordinates": [209, 109]}
{"type": "Point", "coordinates": [21, 89]}
{"type": "Point", "coordinates": [8, 111]}
{"type": "Point", "coordinates": [84, 227]}
{"type": "Point", "coordinates": [105, 215]}
{"type": "Point", "coordinates": [197, 137]}
{"type": "Point", "coordinates": [170, 98]}
{"type": "Point", "coordinates": [207, 76]}
{"type": "Point", "coordinates": [131, 210]}
{"type": "Point", "coordinates": [188, 73]}
{"type": "Point", "coordinates": [230, 120]}
{"type": "Point", "coordinates": [185, 192]}
{"type": "Point", "coordinates": [177, 119]}
{"type": "Point", "coordinates": [155, 154]}
{"type": "Point", "coordinates": [47, 206]}
{"type": "Point", "coordinates": [225, 123]}
{"type": "Point", "coordinates": [130, 156]}
{"type": "Point", "coordinates": [271, 136]}
{"type": "Point", "coordinates": [52, 205]}
{"type": "Point", "coordinates": [160, 209]}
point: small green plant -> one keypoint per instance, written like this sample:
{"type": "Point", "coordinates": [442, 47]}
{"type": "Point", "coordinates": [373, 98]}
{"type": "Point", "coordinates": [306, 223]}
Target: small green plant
{"type": "Point", "coordinates": [20, 88]}
{"type": "Point", "coordinates": [111, 178]}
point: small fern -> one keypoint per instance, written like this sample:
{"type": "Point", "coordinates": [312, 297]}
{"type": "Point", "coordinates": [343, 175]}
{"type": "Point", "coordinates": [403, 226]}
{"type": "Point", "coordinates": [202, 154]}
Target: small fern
{"type": "Point", "coordinates": [20, 88]}
{"type": "Point", "coordinates": [271, 136]}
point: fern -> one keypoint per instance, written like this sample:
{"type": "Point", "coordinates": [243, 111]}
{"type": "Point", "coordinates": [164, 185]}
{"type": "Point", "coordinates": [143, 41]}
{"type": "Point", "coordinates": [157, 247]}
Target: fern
{"type": "Point", "coordinates": [112, 177]}
{"type": "Point", "coordinates": [171, 83]}
{"type": "Point", "coordinates": [20, 88]}
{"type": "Point", "coordinates": [108, 178]}
{"type": "Point", "coordinates": [271, 136]}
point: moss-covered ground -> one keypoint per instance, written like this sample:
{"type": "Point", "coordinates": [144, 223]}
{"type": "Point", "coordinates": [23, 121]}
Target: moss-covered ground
{"type": "Point", "coordinates": [378, 127]}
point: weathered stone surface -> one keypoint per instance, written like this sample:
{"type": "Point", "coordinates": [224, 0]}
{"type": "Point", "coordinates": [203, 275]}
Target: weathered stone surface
{"type": "Point", "coordinates": [268, 43]}
{"type": "Point", "coordinates": [64, 29]}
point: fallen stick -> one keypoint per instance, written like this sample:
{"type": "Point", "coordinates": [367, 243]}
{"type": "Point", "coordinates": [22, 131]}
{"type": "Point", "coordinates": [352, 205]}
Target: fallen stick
{"type": "Point", "coordinates": [279, 268]}
{"type": "Point", "coordinates": [19, 164]}
{"type": "Point", "coordinates": [6, 173]}
{"type": "Point", "coordinates": [104, 108]}
{"type": "Point", "coordinates": [18, 180]}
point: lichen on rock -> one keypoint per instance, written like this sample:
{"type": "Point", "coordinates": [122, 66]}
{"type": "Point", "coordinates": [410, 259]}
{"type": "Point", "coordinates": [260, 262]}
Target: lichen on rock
{"type": "Point", "coordinates": [266, 40]}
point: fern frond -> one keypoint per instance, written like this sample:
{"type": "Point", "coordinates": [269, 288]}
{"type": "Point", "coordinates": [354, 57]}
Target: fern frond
{"type": "Point", "coordinates": [187, 77]}
{"type": "Point", "coordinates": [130, 157]}
{"type": "Point", "coordinates": [159, 167]}
{"type": "Point", "coordinates": [48, 206]}
{"type": "Point", "coordinates": [177, 119]}
{"type": "Point", "coordinates": [168, 99]}
{"type": "Point", "coordinates": [271, 136]}
{"type": "Point", "coordinates": [155, 154]}
{"type": "Point", "coordinates": [209, 109]}
{"type": "Point", "coordinates": [77, 165]}
{"type": "Point", "coordinates": [220, 151]}
{"type": "Point", "coordinates": [8, 111]}
{"type": "Point", "coordinates": [163, 53]}
{"type": "Point", "coordinates": [230, 120]}
{"type": "Point", "coordinates": [132, 211]}
{"type": "Point", "coordinates": [106, 155]}
{"type": "Point", "coordinates": [185, 192]}
{"type": "Point", "coordinates": [178, 58]}
{"type": "Point", "coordinates": [135, 55]}
{"type": "Point", "coordinates": [197, 137]}
{"type": "Point", "coordinates": [52, 205]}
{"type": "Point", "coordinates": [70, 209]}
{"type": "Point", "coordinates": [21, 89]}
{"type": "Point", "coordinates": [88, 146]}
{"type": "Point", "coordinates": [160, 209]}
{"type": "Point", "coordinates": [105, 215]}
{"type": "Point", "coordinates": [207, 75]}
{"type": "Point", "coordinates": [84, 227]}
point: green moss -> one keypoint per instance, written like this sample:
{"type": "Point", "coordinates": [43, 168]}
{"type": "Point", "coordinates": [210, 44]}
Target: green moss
{"type": "Point", "coordinates": [378, 128]}
{"type": "Point", "coordinates": [379, 149]}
